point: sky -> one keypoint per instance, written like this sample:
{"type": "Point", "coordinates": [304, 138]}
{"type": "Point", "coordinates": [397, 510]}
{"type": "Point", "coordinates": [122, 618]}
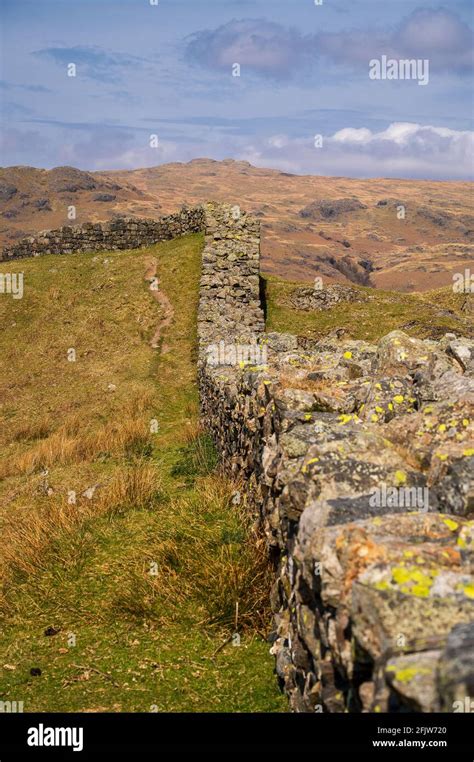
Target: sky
{"type": "Point", "coordinates": [287, 84]}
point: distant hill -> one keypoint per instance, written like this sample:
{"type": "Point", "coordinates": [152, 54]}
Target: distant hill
{"type": "Point", "coordinates": [408, 235]}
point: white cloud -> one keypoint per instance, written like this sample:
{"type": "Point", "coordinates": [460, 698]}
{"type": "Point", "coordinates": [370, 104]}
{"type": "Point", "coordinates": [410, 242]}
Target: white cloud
{"type": "Point", "coordinates": [352, 135]}
{"type": "Point", "coordinates": [402, 134]}
{"type": "Point", "coordinates": [270, 49]}
{"type": "Point", "coordinates": [258, 45]}
{"type": "Point", "coordinates": [403, 149]}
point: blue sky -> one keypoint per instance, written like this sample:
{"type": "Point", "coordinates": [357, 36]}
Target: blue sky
{"type": "Point", "coordinates": [167, 70]}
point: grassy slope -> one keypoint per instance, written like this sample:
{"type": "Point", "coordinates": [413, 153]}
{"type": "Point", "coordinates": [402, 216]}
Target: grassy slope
{"type": "Point", "coordinates": [426, 315]}
{"type": "Point", "coordinates": [143, 641]}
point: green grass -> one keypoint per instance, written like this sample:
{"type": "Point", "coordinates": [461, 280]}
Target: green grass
{"type": "Point", "coordinates": [424, 315]}
{"type": "Point", "coordinates": [144, 582]}
{"type": "Point", "coordinates": [140, 582]}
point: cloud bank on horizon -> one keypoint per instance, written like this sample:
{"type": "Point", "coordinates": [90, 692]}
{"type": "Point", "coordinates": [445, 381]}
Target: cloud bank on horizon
{"type": "Point", "coordinates": [108, 84]}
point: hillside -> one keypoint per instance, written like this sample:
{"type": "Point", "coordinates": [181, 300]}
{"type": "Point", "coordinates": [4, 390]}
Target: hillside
{"type": "Point", "coordinates": [364, 313]}
{"type": "Point", "coordinates": [344, 230]}
{"type": "Point", "coordinates": [139, 545]}
{"type": "Point", "coordinates": [122, 552]}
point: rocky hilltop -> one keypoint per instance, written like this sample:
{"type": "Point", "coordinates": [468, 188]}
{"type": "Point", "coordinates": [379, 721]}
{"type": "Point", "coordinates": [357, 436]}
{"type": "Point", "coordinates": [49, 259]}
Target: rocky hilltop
{"type": "Point", "coordinates": [407, 235]}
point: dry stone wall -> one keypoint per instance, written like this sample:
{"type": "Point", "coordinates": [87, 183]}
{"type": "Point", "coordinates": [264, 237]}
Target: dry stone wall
{"type": "Point", "coordinates": [360, 459]}
{"type": "Point", "coordinates": [121, 233]}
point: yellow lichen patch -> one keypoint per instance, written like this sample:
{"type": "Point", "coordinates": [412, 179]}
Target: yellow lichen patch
{"type": "Point", "coordinates": [467, 453]}
{"type": "Point", "coordinates": [421, 591]}
{"type": "Point", "coordinates": [398, 399]}
{"type": "Point", "coordinates": [409, 673]}
{"type": "Point", "coordinates": [441, 456]}
{"type": "Point", "coordinates": [347, 355]}
{"type": "Point", "coordinates": [468, 590]}
{"type": "Point", "coordinates": [414, 581]}
{"type": "Point", "coordinates": [452, 525]}
{"type": "Point", "coordinates": [401, 575]}
{"type": "Point", "coordinates": [344, 418]}
{"type": "Point", "coordinates": [442, 428]}
{"type": "Point", "coordinates": [374, 417]}
{"type": "Point", "coordinates": [400, 477]}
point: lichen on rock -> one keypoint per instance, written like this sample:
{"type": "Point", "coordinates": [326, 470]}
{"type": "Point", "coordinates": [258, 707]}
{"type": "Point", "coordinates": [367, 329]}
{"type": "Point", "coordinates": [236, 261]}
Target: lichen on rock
{"type": "Point", "coordinates": [358, 459]}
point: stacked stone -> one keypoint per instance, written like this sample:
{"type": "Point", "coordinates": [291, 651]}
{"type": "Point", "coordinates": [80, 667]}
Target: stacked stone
{"type": "Point", "coordinates": [305, 298]}
{"type": "Point", "coordinates": [229, 303]}
{"type": "Point", "coordinates": [120, 233]}
{"type": "Point", "coordinates": [374, 597]}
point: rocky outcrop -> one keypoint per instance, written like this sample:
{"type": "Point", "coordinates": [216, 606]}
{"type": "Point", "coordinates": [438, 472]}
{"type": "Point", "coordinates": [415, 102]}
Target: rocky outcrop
{"type": "Point", "coordinates": [333, 209]}
{"type": "Point", "coordinates": [304, 298]}
{"type": "Point", "coordinates": [359, 459]}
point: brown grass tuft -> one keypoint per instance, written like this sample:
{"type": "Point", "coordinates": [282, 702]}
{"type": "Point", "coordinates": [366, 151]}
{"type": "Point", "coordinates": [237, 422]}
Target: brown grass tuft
{"type": "Point", "coordinates": [68, 445]}
{"type": "Point", "coordinates": [27, 536]}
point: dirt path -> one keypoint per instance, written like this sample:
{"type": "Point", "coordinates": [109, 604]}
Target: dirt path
{"type": "Point", "coordinates": [146, 634]}
{"type": "Point", "coordinates": [163, 301]}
